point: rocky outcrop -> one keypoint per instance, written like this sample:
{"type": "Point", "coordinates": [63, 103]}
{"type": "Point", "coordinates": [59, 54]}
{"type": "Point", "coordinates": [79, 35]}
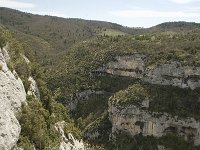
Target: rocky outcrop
{"type": "Point", "coordinates": [128, 66]}
{"type": "Point", "coordinates": [33, 89]}
{"type": "Point", "coordinates": [26, 59]}
{"type": "Point", "coordinates": [81, 96]}
{"type": "Point", "coordinates": [68, 141]}
{"type": "Point", "coordinates": [12, 95]}
{"type": "Point", "coordinates": [172, 73]}
{"type": "Point", "coordinates": [138, 120]}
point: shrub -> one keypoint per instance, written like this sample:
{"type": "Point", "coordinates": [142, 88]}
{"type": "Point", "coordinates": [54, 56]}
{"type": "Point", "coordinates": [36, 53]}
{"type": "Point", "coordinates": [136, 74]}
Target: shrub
{"type": "Point", "coordinates": [1, 66]}
{"type": "Point", "coordinates": [134, 94]}
{"type": "Point", "coordinates": [2, 41]}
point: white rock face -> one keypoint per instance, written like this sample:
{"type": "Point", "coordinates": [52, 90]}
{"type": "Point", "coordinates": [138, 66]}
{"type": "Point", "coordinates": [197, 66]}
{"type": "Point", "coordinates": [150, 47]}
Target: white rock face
{"type": "Point", "coordinates": [172, 73]}
{"type": "Point", "coordinates": [5, 53]}
{"type": "Point", "coordinates": [135, 120]}
{"type": "Point", "coordinates": [26, 59]}
{"type": "Point", "coordinates": [12, 95]}
{"type": "Point", "coordinates": [69, 142]}
{"type": "Point", "coordinates": [128, 66]}
{"type": "Point", "coordinates": [33, 90]}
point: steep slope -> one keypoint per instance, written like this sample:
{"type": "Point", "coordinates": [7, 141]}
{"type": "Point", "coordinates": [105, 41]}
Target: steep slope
{"type": "Point", "coordinates": [30, 118]}
{"type": "Point", "coordinates": [12, 96]}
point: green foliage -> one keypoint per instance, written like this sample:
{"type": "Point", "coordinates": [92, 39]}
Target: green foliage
{"type": "Point", "coordinates": [111, 32]}
{"type": "Point", "coordinates": [96, 147]}
{"type": "Point", "coordinates": [134, 95]}
{"type": "Point", "coordinates": [71, 128]}
{"type": "Point", "coordinates": [139, 142]}
{"type": "Point", "coordinates": [38, 118]}
{"type": "Point", "coordinates": [16, 52]}
{"type": "Point", "coordinates": [87, 56]}
{"type": "Point", "coordinates": [103, 126]}
{"type": "Point", "coordinates": [36, 125]}
{"type": "Point", "coordinates": [175, 26]}
{"type": "Point", "coordinates": [54, 30]}
{"type": "Point", "coordinates": [173, 100]}
{"type": "Point", "coordinates": [176, 101]}
{"type": "Point", "coordinates": [84, 109]}
{"type": "Point", "coordinates": [25, 143]}
{"type": "Point", "coordinates": [2, 40]}
{"type": "Point", "coordinates": [26, 84]}
{"type": "Point", "coordinates": [1, 67]}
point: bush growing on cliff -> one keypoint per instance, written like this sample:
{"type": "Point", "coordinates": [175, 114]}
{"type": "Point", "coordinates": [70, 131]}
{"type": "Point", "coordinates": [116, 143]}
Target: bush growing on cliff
{"type": "Point", "coordinates": [1, 66]}
{"type": "Point", "coordinates": [134, 94]}
{"type": "Point", "coordinates": [25, 143]}
{"type": "Point", "coordinates": [16, 52]}
{"type": "Point", "coordinates": [173, 100]}
{"type": "Point", "coordinates": [36, 125]}
{"type": "Point", "coordinates": [38, 118]}
{"type": "Point", "coordinates": [125, 141]}
{"type": "Point", "coordinates": [2, 39]}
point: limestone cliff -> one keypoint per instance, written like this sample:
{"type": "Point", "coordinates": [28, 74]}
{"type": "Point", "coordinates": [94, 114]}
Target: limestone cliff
{"type": "Point", "coordinates": [68, 141]}
{"type": "Point", "coordinates": [138, 120]}
{"type": "Point", "coordinates": [128, 66]}
{"type": "Point", "coordinates": [12, 95]}
{"type": "Point", "coordinates": [171, 73]}
{"type": "Point", "coordinates": [33, 89]}
{"type": "Point", "coordinates": [174, 74]}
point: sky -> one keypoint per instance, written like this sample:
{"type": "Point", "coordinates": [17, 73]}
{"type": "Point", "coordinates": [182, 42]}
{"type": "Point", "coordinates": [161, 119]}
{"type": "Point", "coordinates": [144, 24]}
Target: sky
{"type": "Point", "coordinates": [131, 13]}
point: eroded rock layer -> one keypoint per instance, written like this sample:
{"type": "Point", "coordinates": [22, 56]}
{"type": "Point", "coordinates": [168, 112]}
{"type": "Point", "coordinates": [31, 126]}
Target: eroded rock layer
{"type": "Point", "coordinates": [172, 73]}
{"type": "Point", "coordinates": [137, 120]}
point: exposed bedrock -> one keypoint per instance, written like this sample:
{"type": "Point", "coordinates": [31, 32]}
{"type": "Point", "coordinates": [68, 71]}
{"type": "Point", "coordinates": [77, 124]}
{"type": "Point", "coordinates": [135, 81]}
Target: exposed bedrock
{"type": "Point", "coordinates": [172, 73]}
{"type": "Point", "coordinates": [137, 120]}
{"type": "Point", "coordinates": [12, 95]}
